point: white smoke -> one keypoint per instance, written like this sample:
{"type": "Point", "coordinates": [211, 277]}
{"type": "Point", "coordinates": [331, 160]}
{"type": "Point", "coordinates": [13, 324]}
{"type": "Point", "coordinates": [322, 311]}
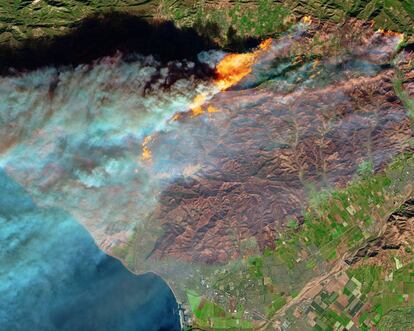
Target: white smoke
{"type": "Point", "coordinates": [73, 137]}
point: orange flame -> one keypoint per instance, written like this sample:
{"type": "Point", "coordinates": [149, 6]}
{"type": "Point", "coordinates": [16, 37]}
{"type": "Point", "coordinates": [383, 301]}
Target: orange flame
{"type": "Point", "coordinates": [146, 152]}
{"type": "Point", "coordinates": [176, 117]}
{"type": "Point", "coordinates": [197, 103]}
{"type": "Point", "coordinates": [307, 19]}
{"type": "Point", "coordinates": [265, 44]}
{"type": "Point", "coordinates": [388, 33]}
{"type": "Point", "coordinates": [234, 67]}
{"type": "Point", "coordinates": [212, 109]}
{"type": "Point", "coordinates": [230, 70]}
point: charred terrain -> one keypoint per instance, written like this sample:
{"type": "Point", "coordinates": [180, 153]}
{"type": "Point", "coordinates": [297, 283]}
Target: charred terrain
{"type": "Point", "coordinates": [265, 171]}
{"type": "Point", "coordinates": [281, 134]}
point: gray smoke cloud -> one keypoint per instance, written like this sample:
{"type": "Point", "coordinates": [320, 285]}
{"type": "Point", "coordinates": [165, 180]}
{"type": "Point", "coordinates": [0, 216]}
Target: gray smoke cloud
{"type": "Point", "coordinates": [73, 137]}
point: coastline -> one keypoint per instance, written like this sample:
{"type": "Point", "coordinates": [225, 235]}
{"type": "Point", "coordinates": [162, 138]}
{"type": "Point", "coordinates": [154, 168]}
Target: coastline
{"type": "Point", "coordinates": [174, 292]}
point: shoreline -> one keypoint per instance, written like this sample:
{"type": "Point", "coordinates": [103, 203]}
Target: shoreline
{"type": "Point", "coordinates": [173, 291]}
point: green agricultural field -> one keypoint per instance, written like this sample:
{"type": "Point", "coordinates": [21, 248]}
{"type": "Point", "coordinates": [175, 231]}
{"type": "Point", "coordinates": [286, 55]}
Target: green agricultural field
{"type": "Point", "coordinates": [210, 315]}
{"type": "Point", "coordinates": [330, 228]}
{"type": "Point", "coordinates": [336, 223]}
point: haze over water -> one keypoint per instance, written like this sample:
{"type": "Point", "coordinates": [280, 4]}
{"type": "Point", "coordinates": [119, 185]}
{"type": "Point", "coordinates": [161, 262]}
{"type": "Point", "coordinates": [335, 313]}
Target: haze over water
{"type": "Point", "coordinates": [70, 140]}
{"type": "Point", "coordinates": [74, 138]}
{"type": "Point", "coordinates": [54, 277]}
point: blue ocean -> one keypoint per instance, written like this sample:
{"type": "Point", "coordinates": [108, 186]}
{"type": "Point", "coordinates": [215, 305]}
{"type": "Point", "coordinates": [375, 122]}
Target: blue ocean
{"type": "Point", "coordinates": [54, 277]}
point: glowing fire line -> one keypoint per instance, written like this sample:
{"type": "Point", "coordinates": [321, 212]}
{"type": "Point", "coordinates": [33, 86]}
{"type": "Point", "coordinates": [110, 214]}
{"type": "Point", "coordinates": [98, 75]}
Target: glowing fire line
{"type": "Point", "coordinates": [146, 152]}
{"type": "Point", "coordinates": [229, 71]}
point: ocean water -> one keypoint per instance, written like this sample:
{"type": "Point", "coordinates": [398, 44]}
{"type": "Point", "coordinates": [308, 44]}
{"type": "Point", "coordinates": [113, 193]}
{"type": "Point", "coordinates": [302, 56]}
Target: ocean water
{"type": "Point", "coordinates": [54, 277]}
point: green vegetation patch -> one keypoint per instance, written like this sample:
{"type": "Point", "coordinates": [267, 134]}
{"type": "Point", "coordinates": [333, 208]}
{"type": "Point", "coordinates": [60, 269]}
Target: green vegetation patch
{"type": "Point", "coordinates": [407, 101]}
{"type": "Point", "coordinates": [337, 222]}
{"type": "Point", "coordinates": [395, 15]}
{"type": "Point", "coordinates": [229, 21]}
{"type": "Point", "coordinates": [210, 315]}
{"type": "Point", "coordinates": [397, 319]}
{"type": "Point", "coordinates": [225, 21]}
